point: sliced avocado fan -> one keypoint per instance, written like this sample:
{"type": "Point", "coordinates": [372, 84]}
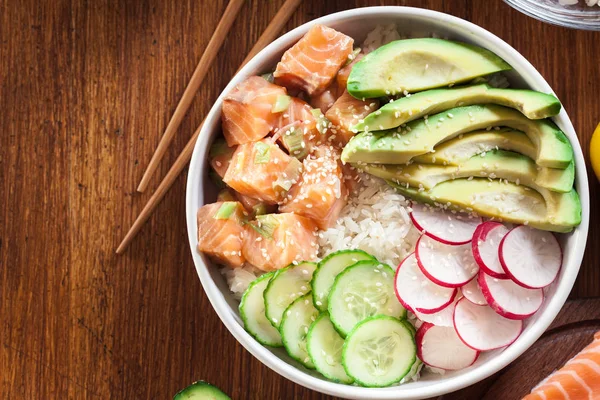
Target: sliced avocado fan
{"type": "Point", "coordinates": [503, 201]}
{"type": "Point", "coordinates": [414, 65]}
{"type": "Point", "coordinates": [461, 149]}
{"type": "Point", "coordinates": [419, 137]}
{"type": "Point", "coordinates": [534, 105]}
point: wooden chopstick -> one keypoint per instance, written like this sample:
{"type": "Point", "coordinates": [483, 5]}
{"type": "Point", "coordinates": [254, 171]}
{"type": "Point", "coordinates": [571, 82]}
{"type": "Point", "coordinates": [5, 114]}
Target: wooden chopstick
{"type": "Point", "coordinates": [213, 47]}
{"type": "Point", "coordinates": [270, 33]}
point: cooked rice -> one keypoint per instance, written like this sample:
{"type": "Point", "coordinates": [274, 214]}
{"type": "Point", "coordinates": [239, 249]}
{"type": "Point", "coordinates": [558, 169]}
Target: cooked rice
{"type": "Point", "coordinates": [382, 34]}
{"type": "Point", "coordinates": [238, 279]}
{"type": "Point", "coordinates": [376, 220]}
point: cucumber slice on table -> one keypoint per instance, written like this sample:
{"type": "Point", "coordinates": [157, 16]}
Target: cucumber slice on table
{"type": "Point", "coordinates": [252, 311]}
{"type": "Point", "coordinates": [296, 320]}
{"type": "Point", "coordinates": [329, 268]}
{"type": "Point", "coordinates": [379, 351]}
{"type": "Point", "coordinates": [286, 285]}
{"type": "Point", "coordinates": [324, 347]}
{"type": "Point", "coordinates": [363, 290]}
{"type": "Point", "coordinates": [201, 391]}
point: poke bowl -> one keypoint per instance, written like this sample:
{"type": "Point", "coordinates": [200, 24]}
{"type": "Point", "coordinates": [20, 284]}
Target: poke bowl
{"type": "Point", "coordinates": [394, 229]}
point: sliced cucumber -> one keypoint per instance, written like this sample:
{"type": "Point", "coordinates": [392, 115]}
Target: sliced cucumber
{"type": "Point", "coordinates": [285, 286]}
{"type": "Point", "coordinates": [418, 364]}
{"type": "Point", "coordinates": [201, 391]}
{"type": "Point", "coordinates": [324, 347]}
{"type": "Point", "coordinates": [252, 311]}
{"type": "Point", "coordinates": [296, 320]}
{"type": "Point", "coordinates": [329, 268]}
{"type": "Point", "coordinates": [363, 290]}
{"type": "Point", "coordinates": [379, 351]}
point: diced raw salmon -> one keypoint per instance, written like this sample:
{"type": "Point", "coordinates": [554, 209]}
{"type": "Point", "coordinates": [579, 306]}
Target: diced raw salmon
{"type": "Point", "coordinates": [263, 171]}
{"type": "Point", "coordinates": [220, 156]}
{"type": "Point", "coordinates": [325, 99]}
{"type": "Point", "coordinates": [312, 63]}
{"type": "Point", "coordinates": [247, 111]}
{"type": "Point", "coordinates": [346, 112]}
{"type": "Point", "coordinates": [320, 194]}
{"type": "Point", "coordinates": [221, 232]}
{"type": "Point", "coordinates": [578, 379]}
{"type": "Point", "coordinates": [254, 206]}
{"type": "Point", "coordinates": [342, 76]}
{"type": "Point", "coordinates": [274, 241]}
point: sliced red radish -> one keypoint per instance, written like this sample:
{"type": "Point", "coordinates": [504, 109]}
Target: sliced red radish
{"type": "Point", "coordinates": [440, 347]}
{"type": "Point", "coordinates": [416, 292]}
{"type": "Point", "coordinates": [531, 257]}
{"type": "Point", "coordinates": [442, 317]}
{"type": "Point", "coordinates": [509, 299]}
{"type": "Point", "coordinates": [481, 328]}
{"type": "Point", "coordinates": [473, 293]}
{"type": "Point", "coordinates": [444, 226]}
{"type": "Point", "coordinates": [447, 265]}
{"type": "Point", "coordinates": [485, 243]}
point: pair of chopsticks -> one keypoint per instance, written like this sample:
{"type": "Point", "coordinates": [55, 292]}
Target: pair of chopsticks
{"type": "Point", "coordinates": [215, 43]}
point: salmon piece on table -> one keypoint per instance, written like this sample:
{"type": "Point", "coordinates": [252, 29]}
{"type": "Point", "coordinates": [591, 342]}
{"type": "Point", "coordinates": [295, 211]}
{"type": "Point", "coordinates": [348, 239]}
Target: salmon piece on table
{"type": "Point", "coordinates": [312, 63]}
{"type": "Point", "coordinates": [321, 193]}
{"type": "Point", "coordinates": [263, 171]}
{"type": "Point", "coordinates": [578, 379]}
{"type": "Point", "coordinates": [346, 112]}
{"type": "Point", "coordinates": [247, 111]}
{"type": "Point", "coordinates": [342, 76]}
{"type": "Point", "coordinates": [221, 232]}
{"type": "Point", "coordinates": [274, 241]}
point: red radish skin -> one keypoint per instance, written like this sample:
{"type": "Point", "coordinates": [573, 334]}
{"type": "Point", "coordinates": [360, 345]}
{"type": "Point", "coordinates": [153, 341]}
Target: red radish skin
{"type": "Point", "coordinates": [485, 244]}
{"type": "Point", "coordinates": [428, 220]}
{"type": "Point", "coordinates": [412, 289]}
{"type": "Point", "coordinates": [480, 328]}
{"type": "Point", "coordinates": [442, 317]}
{"type": "Point", "coordinates": [472, 292]}
{"type": "Point", "coordinates": [434, 341]}
{"type": "Point", "coordinates": [447, 265]}
{"type": "Point", "coordinates": [523, 244]}
{"type": "Point", "coordinates": [503, 295]}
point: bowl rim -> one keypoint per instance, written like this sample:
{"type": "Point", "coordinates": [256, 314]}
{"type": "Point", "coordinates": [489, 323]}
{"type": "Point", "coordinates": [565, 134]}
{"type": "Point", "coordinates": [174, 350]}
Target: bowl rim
{"type": "Point", "coordinates": [227, 315]}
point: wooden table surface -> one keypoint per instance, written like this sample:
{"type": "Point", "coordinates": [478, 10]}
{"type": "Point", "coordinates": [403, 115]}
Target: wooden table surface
{"type": "Point", "coordinates": [87, 87]}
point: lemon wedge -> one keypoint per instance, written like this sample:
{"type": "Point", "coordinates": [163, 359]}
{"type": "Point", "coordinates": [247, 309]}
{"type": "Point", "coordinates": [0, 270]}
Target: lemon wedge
{"type": "Point", "coordinates": [595, 151]}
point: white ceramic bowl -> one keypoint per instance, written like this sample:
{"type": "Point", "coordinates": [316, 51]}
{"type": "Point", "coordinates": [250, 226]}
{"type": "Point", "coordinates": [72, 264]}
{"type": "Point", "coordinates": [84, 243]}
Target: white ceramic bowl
{"type": "Point", "coordinates": [357, 23]}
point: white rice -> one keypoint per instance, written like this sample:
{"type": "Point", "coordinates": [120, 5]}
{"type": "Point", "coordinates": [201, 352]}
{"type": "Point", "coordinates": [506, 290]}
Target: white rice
{"type": "Point", "coordinates": [382, 34]}
{"type": "Point", "coordinates": [239, 279]}
{"type": "Point", "coordinates": [376, 220]}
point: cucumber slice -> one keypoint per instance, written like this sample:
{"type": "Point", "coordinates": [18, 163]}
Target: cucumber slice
{"type": "Point", "coordinates": [379, 351]}
{"type": "Point", "coordinates": [418, 364]}
{"type": "Point", "coordinates": [201, 391]}
{"type": "Point", "coordinates": [329, 268]}
{"type": "Point", "coordinates": [285, 286]}
{"type": "Point", "coordinates": [363, 290]}
{"type": "Point", "coordinates": [324, 347]}
{"type": "Point", "coordinates": [252, 311]}
{"type": "Point", "coordinates": [296, 320]}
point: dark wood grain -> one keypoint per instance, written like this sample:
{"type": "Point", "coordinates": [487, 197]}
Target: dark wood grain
{"type": "Point", "coordinates": [86, 89]}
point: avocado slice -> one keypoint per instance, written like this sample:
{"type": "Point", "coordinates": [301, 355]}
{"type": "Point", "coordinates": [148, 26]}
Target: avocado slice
{"type": "Point", "coordinates": [500, 200]}
{"type": "Point", "coordinates": [460, 149]}
{"type": "Point", "coordinates": [497, 164]}
{"type": "Point", "coordinates": [534, 105]}
{"type": "Point", "coordinates": [419, 137]}
{"type": "Point", "coordinates": [414, 65]}
{"type": "Point", "coordinates": [201, 391]}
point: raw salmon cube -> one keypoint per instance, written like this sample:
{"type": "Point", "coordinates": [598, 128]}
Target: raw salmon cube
{"type": "Point", "coordinates": [342, 76]}
{"type": "Point", "coordinates": [346, 112]}
{"type": "Point", "coordinates": [312, 63]}
{"type": "Point", "coordinates": [221, 232]}
{"type": "Point", "coordinates": [274, 241]}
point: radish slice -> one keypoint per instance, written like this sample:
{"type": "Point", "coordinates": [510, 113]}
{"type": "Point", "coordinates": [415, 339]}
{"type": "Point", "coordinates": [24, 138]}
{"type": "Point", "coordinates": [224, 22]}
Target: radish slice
{"type": "Point", "coordinates": [440, 347]}
{"type": "Point", "coordinates": [447, 265]}
{"type": "Point", "coordinates": [509, 299]}
{"type": "Point", "coordinates": [530, 257]}
{"type": "Point", "coordinates": [441, 318]}
{"type": "Point", "coordinates": [444, 226]}
{"type": "Point", "coordinates": [416, 292]}
{"type": "Point", "coordinates": [486, 240]}
{"type": "Point", "coordinates": [473, 293]}
{"type": "Point", "coordinates": [480, 328]}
